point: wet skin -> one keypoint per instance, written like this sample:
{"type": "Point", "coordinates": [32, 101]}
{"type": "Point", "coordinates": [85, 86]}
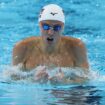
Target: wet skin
{"type": "Point", "coordinates": [51, 48]}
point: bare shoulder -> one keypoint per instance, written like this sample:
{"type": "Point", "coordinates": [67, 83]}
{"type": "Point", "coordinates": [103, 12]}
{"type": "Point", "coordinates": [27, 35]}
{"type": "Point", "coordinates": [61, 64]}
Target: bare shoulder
{"type": "Point", "coordinates": [21, 48]}
{"type": "Point", "coordinates": [73, 42]}
{"type": "Point", "coordinates": [27, 41]}
{"type": "Point", "coordinates": [78, 49]}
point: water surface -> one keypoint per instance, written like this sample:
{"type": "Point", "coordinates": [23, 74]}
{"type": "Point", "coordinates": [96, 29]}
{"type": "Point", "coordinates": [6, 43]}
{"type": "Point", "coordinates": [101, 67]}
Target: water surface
{"type": "Point", "coordinates": [85, 20]}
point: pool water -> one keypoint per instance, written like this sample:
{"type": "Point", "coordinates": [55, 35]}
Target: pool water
{"type": "Point", "coordinates": [85, 19]}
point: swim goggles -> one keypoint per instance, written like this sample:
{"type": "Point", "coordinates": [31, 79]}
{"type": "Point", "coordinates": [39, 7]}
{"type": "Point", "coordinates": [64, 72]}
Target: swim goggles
{"type": "Point", "coordinates": [48, 27]}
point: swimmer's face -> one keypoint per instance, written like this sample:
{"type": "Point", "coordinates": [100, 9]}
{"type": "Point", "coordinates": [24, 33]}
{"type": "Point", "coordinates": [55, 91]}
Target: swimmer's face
{"type": "Point", "coordinates": [51, 31]}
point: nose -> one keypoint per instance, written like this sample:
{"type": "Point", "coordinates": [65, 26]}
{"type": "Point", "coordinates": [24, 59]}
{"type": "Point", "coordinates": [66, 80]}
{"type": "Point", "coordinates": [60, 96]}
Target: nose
{"type": "Point", "coordinates": [50, 31]}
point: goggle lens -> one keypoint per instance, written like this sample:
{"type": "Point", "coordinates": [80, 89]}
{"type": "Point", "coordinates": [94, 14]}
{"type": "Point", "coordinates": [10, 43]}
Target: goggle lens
{"type": "Point", "coordinates": [48, 27]}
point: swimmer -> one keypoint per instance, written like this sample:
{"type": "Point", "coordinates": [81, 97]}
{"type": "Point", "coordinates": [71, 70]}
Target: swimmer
{"type": "Point", "coordinates": [51, 47]}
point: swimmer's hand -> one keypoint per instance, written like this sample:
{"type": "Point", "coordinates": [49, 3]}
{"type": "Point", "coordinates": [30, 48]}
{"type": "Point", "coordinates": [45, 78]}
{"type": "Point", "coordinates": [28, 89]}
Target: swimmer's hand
{"type": "Point", "coordinates": [62, 78]}
{"type": "Point", "coordinates": [41, 76]}
{"type": "Point", "coordinates": [58, 78]}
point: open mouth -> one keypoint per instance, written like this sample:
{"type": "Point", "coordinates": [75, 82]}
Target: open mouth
{"type": "Point", "coordinates": [50, 39]}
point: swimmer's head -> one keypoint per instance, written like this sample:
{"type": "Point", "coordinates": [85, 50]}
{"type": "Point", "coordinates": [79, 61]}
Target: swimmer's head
{"type": "Point", "coordinates": [52, 12]}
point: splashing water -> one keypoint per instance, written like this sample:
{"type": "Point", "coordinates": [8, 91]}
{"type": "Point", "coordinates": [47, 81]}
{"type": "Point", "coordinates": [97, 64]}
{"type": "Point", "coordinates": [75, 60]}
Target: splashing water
{"type": "Point", "coordinates": [85, 20]}
{"type": "Point", "coordinates": [14, 74]}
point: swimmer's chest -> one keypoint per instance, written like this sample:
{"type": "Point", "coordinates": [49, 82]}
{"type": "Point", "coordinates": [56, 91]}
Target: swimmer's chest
{"type": "Point", "coordinates": [63, 59]}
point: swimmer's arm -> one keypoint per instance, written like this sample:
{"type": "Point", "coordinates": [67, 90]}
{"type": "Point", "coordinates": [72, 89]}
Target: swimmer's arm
{"type": "Point", "coordinates": [18, 53]}
{"type": "Point", "coordinates": [81, 56]}
{"type": "Point", "coordinates": [67, 78]}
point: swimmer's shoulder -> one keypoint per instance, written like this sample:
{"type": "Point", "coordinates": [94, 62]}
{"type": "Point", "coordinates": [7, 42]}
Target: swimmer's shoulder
{"type": "Point", "coordinates": [23, 49]}
{"type": "Point", "coordinates": [78, 49]}
{"type": "Point", "coordinates": [28, 42]}
{"type": "Point", "coordinates": [72, 42]}
{"type": "Point", "coordinates": [20, 48]}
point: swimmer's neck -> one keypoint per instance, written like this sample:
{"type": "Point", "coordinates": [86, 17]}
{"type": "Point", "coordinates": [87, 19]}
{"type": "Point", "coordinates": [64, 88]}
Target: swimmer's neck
{"type": "Point", "coordinates": [51, 49]}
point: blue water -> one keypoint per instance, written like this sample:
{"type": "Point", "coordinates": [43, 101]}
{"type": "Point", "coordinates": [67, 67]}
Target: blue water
{"type": "Point", "coordinates": [85, 19]}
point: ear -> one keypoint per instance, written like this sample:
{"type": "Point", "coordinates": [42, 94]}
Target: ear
{"type": "Point", "coordinates": [63, 27]}
{"type": "Point", "coordinates": [39, 24]}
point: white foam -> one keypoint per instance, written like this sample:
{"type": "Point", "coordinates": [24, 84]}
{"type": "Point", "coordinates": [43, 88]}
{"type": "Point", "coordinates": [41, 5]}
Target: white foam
{"type": "Point", "coordinates": [9, 71]}
{"type": "Point", "coordinates": [96, 76]}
